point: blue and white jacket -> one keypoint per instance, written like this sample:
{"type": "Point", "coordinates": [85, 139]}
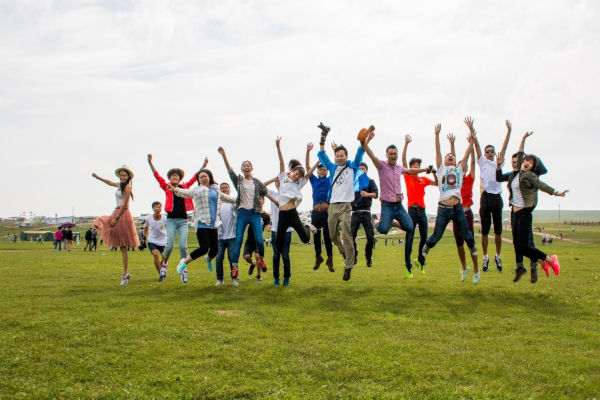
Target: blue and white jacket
{"type": "Point", "coordinates": [361, 180]}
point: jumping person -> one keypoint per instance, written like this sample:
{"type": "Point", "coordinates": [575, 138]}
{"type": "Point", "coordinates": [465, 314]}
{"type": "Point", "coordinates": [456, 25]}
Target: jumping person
{"type": "Point", "coordinates": [285, 252]}
{"type": "Point", "coordinates": [491, 204]}
{"type": "Point", "coordinates": [415, 190]}
{"type": "Point", "coordinates": [466, 193]}
{"type": "Point", "coordinates": [250, 190]}
{"type": "Point", "coordinates": [226, 236]}
{"type": "Point", "coordinates": [155, 232]}
{"type": "Point", "coordinates": [450, 180]}
{"type": "Point", "coordinates": [346, 178]}
{"type": "Point", "coordinates": [523, 186]}
{"type": "Point", "coordinates": [176, 208]}
{"type": "Point", "coordinates": [118, 229]}
{"type": "Point", "coordinates": [361, 215]}
{"type": "Point", "coordinates": [207, 200]}
{"type": "Point", "coordinates": [318, 217]}
{"type": "Point", "coordinates": [391, 192]}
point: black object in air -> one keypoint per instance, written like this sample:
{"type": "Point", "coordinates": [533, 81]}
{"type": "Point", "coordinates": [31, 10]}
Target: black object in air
{"type": "Point", "coordinates": [324, 129]}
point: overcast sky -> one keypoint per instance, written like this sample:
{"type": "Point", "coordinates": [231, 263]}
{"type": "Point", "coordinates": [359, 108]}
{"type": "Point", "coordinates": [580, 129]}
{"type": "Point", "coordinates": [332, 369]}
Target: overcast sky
{"type": "Point", "coordinates": [87, 86]}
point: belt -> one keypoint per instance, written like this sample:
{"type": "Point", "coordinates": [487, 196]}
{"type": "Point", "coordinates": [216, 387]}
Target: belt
{"type": "Point", "coordinates": [418, 207]}
{"type": "Point", "coordinates": [392, 203]}
{"type": "Point", "coordinates": [321, 207]}
{"type": "Point", "coordinates": [447, 207]}
{"type": "Point", "coordinates": [362, 211]}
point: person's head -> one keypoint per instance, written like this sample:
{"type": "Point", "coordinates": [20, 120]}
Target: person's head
{"type": "Point", "coordinates": [225, 188]}
{"type": "Point", "coordinates": [157, 207]}
{"type": "Point", "coordinates": [341, 155]}
{"type": "Point", "coordinates": [391, 153]}
{"type": "Point", "coordinates": [175, 176]}
{"type": "Point", "coordinates": [450, 160]}
{"type": "Point", "coordinates": [514, 161]}
{"type": "Point", "coordinates": [321, 171]}
{"type": "Point", "coordinates": [247, 169]}
{"type": "Point", "coordinates": [530, 163]}
{"type": "Point", "coordinates": [297, 173]}
{"type": "Point", "coordinates": [205, 178]}
{"type": "Point", "coordinates": [490, 152]}
{"type": "Point", "coordinates": [364, 167]}
{"type": "Point", "coordinates": [415, 163]}
{"type": "Point", "coordinates": [124, 177]}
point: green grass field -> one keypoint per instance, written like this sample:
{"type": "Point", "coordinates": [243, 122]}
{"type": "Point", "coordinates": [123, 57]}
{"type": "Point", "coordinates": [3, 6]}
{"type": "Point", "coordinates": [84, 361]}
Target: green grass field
{"type": "Point", "coordinates": [70, 331]}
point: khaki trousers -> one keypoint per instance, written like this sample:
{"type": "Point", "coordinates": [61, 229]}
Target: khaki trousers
{"type": "Point", "coordinates": [341, 213]}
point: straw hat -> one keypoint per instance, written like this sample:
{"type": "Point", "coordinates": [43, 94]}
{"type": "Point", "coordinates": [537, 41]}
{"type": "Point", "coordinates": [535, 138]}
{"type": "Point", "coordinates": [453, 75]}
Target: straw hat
{"type": "Point", "coordinates": [124, 168]}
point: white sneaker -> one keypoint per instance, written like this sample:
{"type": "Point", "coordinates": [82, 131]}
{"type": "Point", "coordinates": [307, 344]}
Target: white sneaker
{"type": "Point", "coordinates": [184, 276]}
{"type": "Point", "coordinates": [163, 273]}
{"type": "Point", "coordinates": [464, 274]}
{"type": "Point", "coordinates": [311, 227]}
{"type": "Point", "coordinates": [125, 279]}
{"type": "Point", "coordinates": [236, 282]}
{"type": "Point", "coordinates": [425, 250]}
{"type": "Point", "coordinates": [181, 266]}
{"type": "Point", "coordinates": [219, 283]}
{"type": "Point", "coordinates": [476, 278]}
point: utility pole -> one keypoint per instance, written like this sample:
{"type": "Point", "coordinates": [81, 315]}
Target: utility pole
{"type": "Point", "coordinates": [559, 217]}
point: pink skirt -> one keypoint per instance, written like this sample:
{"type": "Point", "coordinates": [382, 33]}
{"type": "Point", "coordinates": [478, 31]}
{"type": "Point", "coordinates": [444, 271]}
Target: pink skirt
{"type": "Point", "coordinates": [123, 234]}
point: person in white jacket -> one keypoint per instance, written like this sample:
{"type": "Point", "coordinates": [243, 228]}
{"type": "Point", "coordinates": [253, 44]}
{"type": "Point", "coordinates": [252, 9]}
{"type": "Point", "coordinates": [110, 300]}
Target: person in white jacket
{"type": "Point", "coordinates": [207, 203]}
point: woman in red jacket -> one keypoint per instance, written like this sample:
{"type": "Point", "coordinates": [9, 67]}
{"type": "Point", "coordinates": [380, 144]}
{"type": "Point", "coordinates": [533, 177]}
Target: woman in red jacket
{"type": "Point", "coordinates": [176, 208]}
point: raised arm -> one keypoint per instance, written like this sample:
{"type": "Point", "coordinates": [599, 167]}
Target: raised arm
{"type": "Point", "coordinates": [469, 121]}
{"type": "Point", "coordinates": [465, 159]}
{"type": "Point", "coordinates": [407, 140]}
{"type": "Point", "coordinates": [438, 152]}
{"type": "Point", "coordinates": [109, 183]}
{"type": "Point", "coordinates": [222, 152]}
{"type": "Point", "coordinates": [472, 167]}
{"type": "Point", "coordinates": [525, 136]}
{"type": "Point", "coordinates": [281, 162]}
{"type": "Point", "coordinates": [309, 148]}
{"type": "Point", "coordinates": [451, 138]}
{"type": "Point", "coordinates": [311, 170]}
{"type": "Point", "coordinates": [150, 162]}
{"type": "Point", "coordinates": [500, 177]}
{"type": "Point", "coordinates": [507, 138]}
{"type": "Point", "coordinates": [434, 182]}
{"type": "Point", "coordinates": [365, 145]}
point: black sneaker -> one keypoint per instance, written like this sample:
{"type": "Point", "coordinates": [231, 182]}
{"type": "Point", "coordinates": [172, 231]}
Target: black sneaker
{"type": "Point", "coordinates": [347, 273]}
{"type": "Point", "coordinates": [498, 262]}
{"type": "Point", "coordinates": [486, 264]}
{"type": "Point", "coordinates": [251, 269]}
{"type": "Point", "coordinates": [355, 258]}
{"type": "Point", "coordinates": [533, 274]}
{"type": "Point", "coordinates": [519, 272]}
{"type": "Point", "coordinates": [369, 262]}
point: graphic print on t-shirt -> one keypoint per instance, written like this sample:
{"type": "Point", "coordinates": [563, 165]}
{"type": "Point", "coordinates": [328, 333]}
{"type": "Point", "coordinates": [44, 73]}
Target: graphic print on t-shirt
{"type": "Point", "coordinates": [343, 176]}
{"type": "Point", "coordinates": [450, 180]}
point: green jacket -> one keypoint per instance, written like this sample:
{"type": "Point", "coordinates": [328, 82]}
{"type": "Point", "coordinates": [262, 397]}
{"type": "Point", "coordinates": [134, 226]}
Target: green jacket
{"type": "Point", "coordinates": [529, 184]}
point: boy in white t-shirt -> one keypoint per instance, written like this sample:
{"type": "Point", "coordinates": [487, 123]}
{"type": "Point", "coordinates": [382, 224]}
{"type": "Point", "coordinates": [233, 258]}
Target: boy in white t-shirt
{"type": "Point", "coordinates": [450, 180]}
{"type": "Point", "coordinates": [155, 230]}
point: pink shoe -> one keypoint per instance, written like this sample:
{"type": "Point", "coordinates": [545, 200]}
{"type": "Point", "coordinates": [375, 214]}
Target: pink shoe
{"type": "Point", "coordinates": [555, 265]}
{"type": "Point", "coordinates": [545, 268]}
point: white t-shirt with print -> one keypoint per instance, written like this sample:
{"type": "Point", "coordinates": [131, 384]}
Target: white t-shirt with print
{"type": "Point", "coordinates": [275, 212]}
{"type": "Point", "coordinates": [488, 176]}
{"type": "Point", "coordinates": [289, 190]}
{"type": "Point", "coordinates": [227, 221]}
{"type": "Point", "coordinates": [157, 232]}
{"type": "Point", "coordinates": [450, 180]}
{"type": "Point", "coordinates": [343, 189]}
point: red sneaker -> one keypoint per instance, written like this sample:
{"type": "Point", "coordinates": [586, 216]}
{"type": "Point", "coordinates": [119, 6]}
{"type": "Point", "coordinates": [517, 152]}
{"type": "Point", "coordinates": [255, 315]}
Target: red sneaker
{"type": "Point", "coordinates": [545, 267]}
{"type": "Point", "coordinates": [555, 265]}
{"type": "Point", "coordinates": [262, 265]}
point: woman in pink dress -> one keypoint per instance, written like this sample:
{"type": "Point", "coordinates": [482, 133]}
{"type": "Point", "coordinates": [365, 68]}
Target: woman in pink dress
{"type": "Point", "coordinates": [118, 229]}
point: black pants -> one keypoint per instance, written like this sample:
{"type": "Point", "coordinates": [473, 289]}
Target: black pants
{"type": "Point", "coordinates": [319, 220]}
{"type": "Point", "coordinates": [520, 231]}
{"type": "Point", "coordinates": [208, 239]}
{"type": "Point", "coordinates": [518, 256]}
{"type": "Point", "coordinates": [490, 209]}
{"type": "Point", "coordinates": [363, 218]}
{"type": "Point", "coordinates": [289, 218]}
{"type": "Point", "coordinates": [94, 244]}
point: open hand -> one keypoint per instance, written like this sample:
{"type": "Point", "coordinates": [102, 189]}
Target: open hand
{"type": "Point", "coordinates": [438, 129]}
{"type": "Point", "coordinates": [278, 141]}
{"type": "Point", "coordinates": [407, 139]}
{"type": "Point", "coordinates": [451, 138]}
{"type": "Point", "coordinates": [309, 146]}
{"type": "Point", "coordinates": [509, 125]}
{"type": "Point", "coordinates": [500, 158]}
{"type": "Point", "coordinates": [333, 146]}
{"type": "Point", "coordinates": [205, 163]}
{"type": "Point", "coordinates": [469, 121]}
{"type": "Point", "coordinates": [527, 134]}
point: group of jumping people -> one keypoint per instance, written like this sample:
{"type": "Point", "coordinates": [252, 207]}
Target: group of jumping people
{"type": "Point", "coordinates": [342, 196]}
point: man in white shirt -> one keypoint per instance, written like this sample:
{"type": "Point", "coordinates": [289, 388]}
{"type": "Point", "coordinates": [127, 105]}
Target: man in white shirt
{"type": "Point", "coordinates": [227, 235]}
{"type": "Point", "coordinates": [491, 204]}
{"type": "Point", "coordinates": [155, 230]}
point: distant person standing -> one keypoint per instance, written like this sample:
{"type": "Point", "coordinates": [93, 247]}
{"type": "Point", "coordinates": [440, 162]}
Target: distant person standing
{"type": "Point", "coordinates": [95, 239]}
{"type": "Point", "coordinates": [88, 239]}
{"type": "Point", "coordinates": [155, 232]}
{"type": "Point", "coordinates": [58, 239]}
{"type": "Point", "coordinates": [64, 237]}
{"type": "Point", "coordinates": [69, 238]}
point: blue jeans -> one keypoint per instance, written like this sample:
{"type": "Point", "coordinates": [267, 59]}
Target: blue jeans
{"type": "Point", "coordinates": [391, 211]}
{"type": "Point", "coordinates": [173, 226]}
{"type": "Point", "coordinates": [285, 254]}
{"type": "Point", "coordinates": [224, 244]}
{"type": "Point", "coordinates": [455, 214]}
{"type": "Point", "coordinates": [245, 218]}
{"type": "Point", "coordinates": [418, 217]}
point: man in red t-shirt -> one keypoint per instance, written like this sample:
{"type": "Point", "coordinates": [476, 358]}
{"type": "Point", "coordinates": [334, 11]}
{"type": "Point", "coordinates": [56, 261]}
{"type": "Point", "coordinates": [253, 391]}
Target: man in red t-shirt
{"type": "Point", "coordinates": [415, 189]}
{"type": "Point", "coordinates": [466, 193]}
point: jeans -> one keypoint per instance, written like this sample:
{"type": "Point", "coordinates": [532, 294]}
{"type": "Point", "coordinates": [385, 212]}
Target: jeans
{"type": "Point", "coordinates": [175, 225]}
{"type": "Point", "coordinates": [245, 218]}
{"type": "Point", "coordinates": [285, 254]}
{"type": "Point", "coordinates": [418, 216]}
{"type": "Point", "coordinates": [224, 244]}
{"type": "Point", "coordinates": [363, 218]}
{"type": "Point", "coordinates": [391, 211]}
{"type": "Point", "coordinates": [519, 256]}
{"type": "Point", "coordinates": [56, 243]}
{"type": "Point", "coordinates": [455, 214]}
{"type": "Point", "coordinates": [319, 220]}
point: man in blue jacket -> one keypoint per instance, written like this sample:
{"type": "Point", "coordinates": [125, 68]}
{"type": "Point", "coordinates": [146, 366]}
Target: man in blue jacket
{"type": "Point", "coordinates": [346, 178]}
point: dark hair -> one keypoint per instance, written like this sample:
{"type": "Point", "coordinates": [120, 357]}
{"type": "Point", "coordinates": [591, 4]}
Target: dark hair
{"type": "Point", "coordinates": [391, 146]}
{"type": "Point", "coordinates": [489, 145]}
{"type": "Point", "coordinates": [224, 183]}
{"type": "Point", "coordinates": [293, 164]}
{"type": "Point", "coordinates": [243, 162]}
{"type": "Point", "coordinates": [534, 159]}
{"type": "Point", "coordinates": [211, 180]}
{"type": "Point", "coordinates": [320, 166]}
{"type": "Point", "coordinates": [415, 160]}
{"type": "Point", "coordinates": [516, 155]}
{"type": "Point", "coordinates": [174, 171]}
{"type": "Point", "coordinates": [341, 148]}
{"type": "Point", "coordinates": [156, 203]}
{"type": "Point", "coordinates": [122, 185]}
{"type": "Point", "coordinates": [364, 165]}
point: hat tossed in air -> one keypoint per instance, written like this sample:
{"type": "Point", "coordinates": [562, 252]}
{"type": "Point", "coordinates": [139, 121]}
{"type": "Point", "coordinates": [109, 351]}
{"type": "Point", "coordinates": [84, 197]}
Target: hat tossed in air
{"type": "Point", "coordinates": [364, 133]}
{"type": "Point", "coordinates": [124, 168]}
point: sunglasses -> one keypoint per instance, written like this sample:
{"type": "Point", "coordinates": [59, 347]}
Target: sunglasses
{"type": "Point", "coordinates": [489, 151]}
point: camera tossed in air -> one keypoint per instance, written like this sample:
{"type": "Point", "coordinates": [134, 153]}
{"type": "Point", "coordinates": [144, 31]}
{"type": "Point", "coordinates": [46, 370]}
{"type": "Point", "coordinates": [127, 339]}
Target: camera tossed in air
{"type": "Point", "coordinates": [324, 129]}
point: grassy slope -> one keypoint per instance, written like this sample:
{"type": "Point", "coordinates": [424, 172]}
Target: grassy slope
{"type": "Point", "coordinates": [69, 330]}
